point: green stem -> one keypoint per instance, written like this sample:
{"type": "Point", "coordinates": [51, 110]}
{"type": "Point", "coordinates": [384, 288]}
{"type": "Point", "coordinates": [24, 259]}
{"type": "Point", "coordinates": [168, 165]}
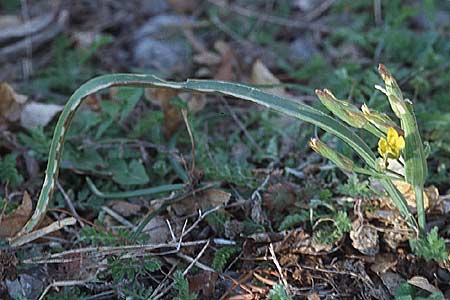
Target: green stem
{"type": "Point", "coordinates": [135, 193]}
{"type": "Point", "coordinates": [418, 190]}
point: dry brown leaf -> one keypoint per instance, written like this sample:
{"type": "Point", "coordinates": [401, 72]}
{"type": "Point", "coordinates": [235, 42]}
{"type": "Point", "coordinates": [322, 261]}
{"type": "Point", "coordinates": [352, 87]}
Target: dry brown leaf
{"type": "Point", "coordinates": [422, 283]}
{"type": "Point", "coordinates": [203, 200]}
{"type": "Point", "coordinates": [203, 283]}
{"type": "Point", "coordinates": [262, 75]}
{"type": "Point", "coordinates": [383, 262]}
{"type": "Point", "coordinates": [172, 115]}
{"type": "Point", "coordinates": [11, 103]}
{"type": "Point", "coordinates": [408, 192]}
{"type": "Point", "coordinates": [13, 223]}
{"type": "Point", "coordinates": [364, 238]}
{"type": "Point", "coordinates": [125, 208]}
{"type": "Point", "coordinates": [157, 230]}
{"type": "Point", "coordinates": [225, 71]}
{"type": "Point", "coordinates": [313, 296]}
{"type": "Point", "coordinates": [196, 102]}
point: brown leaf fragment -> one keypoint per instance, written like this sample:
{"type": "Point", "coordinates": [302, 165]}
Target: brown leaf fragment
{"type": "Point", "coordinates": [172, 115]}
{"type": "Point", "coordinates": [313, 296]}
{"type": "Point", "coordinates": [125, 208]}
{"type": "Point", "coordinates": [262, 75]}
{"type": "Point", "coordinates": [8, 263]}
{"type": "Point", "coordinates": [11, 103]}
{"type": "Point", "coordinates": [226, 69]}
{"type": "Point", "coordinates": [365, 238]}
{"type": "Point", "coordinates": [203, 200]}
{"type": "Point", "coordinates": [157, 230]}
{"type": "Point", "coordinates": [383, 262]}
{"type": "Point", "coordinates": [12, 223]}
{"type": "Point", "coordinates": [422, 283]}
{"type": "Point", "coordinates": [203, 284]}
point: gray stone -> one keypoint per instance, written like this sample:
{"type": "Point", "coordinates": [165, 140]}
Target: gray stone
{"type": "Point", "coordinates": [24, 287]}
{"type": "Point", "coordinates": [302, 49]}
{"type": "Point", "coordinates": [159, 44]}
{"type": "Point", "coordinates": [167, 57]}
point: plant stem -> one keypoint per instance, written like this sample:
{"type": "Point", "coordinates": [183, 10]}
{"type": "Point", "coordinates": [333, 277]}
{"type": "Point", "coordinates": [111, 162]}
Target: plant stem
{"type": "Point", "coordinates": [418, 190]}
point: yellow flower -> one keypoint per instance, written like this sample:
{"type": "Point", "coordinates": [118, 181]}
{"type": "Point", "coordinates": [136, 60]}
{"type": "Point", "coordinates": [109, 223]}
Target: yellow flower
{"type": "Point", "coordinates": [391, 147]}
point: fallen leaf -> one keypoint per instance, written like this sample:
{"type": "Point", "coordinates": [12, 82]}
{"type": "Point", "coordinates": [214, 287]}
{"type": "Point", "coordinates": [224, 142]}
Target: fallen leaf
{"type": "Point", "coordinates": [8, 263]}
{"type": "Point", "coordinates": [125, 208]}
{"type": "Point", "coordinates": [262, 75]}
{"type": "Point", "coordinates": [172, 115]}
{"type": "Point", "coordinates": [364, 238]}
{"type": "Point", "coordinates": [202, 200]}
{"type": "Point", "coordinates": [157, 230]}
{"type": "Point", "coordinates": [383, 262]}
{"type": "Point", "coordinates": [408, 192]}
{"type": "Point", "coordinates": [11, 103]}
{"type": "Point", "coordinates": [225, 71]}
{"type": "Point", "coordinates": [36, 114]}
{"type": "Point", "coordinates": [13, 223]}
{"type": "Point", "coordinates": [196, 102]}
{"type": "Point", "coordinates": [422, 283]}
{"type": "Point", "coordinates": [313, 296]}
{"type": "Point", "coordinates": [203, 283]}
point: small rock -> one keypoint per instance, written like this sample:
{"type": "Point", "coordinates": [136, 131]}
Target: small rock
{"type": "Point", "coordinates": [302, 49]}
{"type": "Point", "coordinates": [24, 287]}
{"type": "Point", "coordinates": [168, 57]}
{"type": "Point", "coordinates": [160, 45]}
{"type": "Point", "coordinates": [391, 281]}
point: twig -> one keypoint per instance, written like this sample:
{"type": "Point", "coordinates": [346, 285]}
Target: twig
{"type": "Point", "coordinates": [280, 271]}
{"type": "Point", "coordinates": [106, 250]}
{"type": "Point", "coordinates": [271, 19]}
{"type": "Point", "coordinates": [316, 12]}
{"type": "Point", "coordinates": [239, 123]}
{"type": "Point", "coordinates": [30, 27]}
{"type": "Point", "coordinates": [118, 217]}
{"type": "Point", "coordinates": [193, 261]}
{"type": "Point", "coordinates": [19, 48]}
{"type": "Point", "coordinates": [191, 137]}
{"type": "Point", "coordinates": [64, 283]}
{"type": "Point", "coordinates": [55, 226]}
{"type": "Point", "coordinates": [69, 203]}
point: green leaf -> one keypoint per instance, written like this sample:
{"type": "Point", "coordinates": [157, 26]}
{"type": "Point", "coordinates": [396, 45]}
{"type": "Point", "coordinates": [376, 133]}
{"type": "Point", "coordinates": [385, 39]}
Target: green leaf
{"type": "Point", "coordinates": [132, 174]}
{"type": "Point", "coordinates": [431, 247]}
{"type": "Point", "coordinates": [130, 97]}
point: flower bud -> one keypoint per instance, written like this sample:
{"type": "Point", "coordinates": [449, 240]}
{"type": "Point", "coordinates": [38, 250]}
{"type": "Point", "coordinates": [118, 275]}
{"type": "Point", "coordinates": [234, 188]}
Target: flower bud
{"type": "Point", "coordinates": [392, 91]}
{"type": "Point", "coordinates": [344, 110]}
{"type": "Point", "coordinates": [380, 120]}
